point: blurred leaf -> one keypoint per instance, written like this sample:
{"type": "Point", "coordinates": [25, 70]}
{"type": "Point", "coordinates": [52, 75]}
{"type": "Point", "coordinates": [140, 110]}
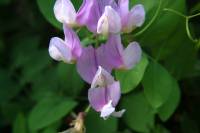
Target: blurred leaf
{"type": "Point", "coordinates": [77, 4]}
{"type": "Point", "coordinates": [9, 111]}
{"type": "Point", "coordinates": [139, 115]}
{"type": "Point", "coordinates": [188, 125]}
{"type": "Point", "coordinates": [9, 88]}
{"type": "Point", "coordinates": [69, 79]}
{"type": "Point", "coordinates": [129, 79]}
{"type": "Point", "coordinates": [52, 128]}
{"type": "Point", "coordinates": [37, 61]}
{"type": "Point", "coordinates": [5, 2]}
{"type": "Point", "coordinates": [168, 108]}
{"type": "Point", "coordinates": [94, 124]}
{"type": "Point", "coordinates": [182, 62]}
{"type": "Point", "coordinates": [157, 83]}
{"type": "Point", "coordinates": [19, 125]}
{"type": "Point", "coordinates": [160, 129]}
{"type": "Point", "coordinates": [49, 111]}
{"type": "Point", "coordinates": [46, 8]}
{"type": "Point", "coordinates": [196, 8]}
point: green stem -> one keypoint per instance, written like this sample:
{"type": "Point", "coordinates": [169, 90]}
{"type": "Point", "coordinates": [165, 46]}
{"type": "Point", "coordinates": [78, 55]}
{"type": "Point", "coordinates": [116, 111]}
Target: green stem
{"type": "Point", "coordinates": [87, 109]}
{"type": "Point", "coordinates": [152, 20]}
{"type": "Point", "coordinates": [175, 12]}
{"type": "Point", "coordinates": [195, 15]}
{"type": "Point", "coordinates": [188, 31]}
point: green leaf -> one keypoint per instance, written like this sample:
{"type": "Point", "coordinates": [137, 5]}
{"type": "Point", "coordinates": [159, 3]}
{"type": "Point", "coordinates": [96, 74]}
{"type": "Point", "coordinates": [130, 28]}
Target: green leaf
{"type": "Point", "coordinates": [69, 79]}
{"type": "Point", "coordinates": [5, 2]}
{"type": "Point", "coordinates": [160, 129]}
{"type": "Point", "coordinates": [129, 79]}
{"type": "Point", "coordinates": [157, 83]}
{"type": "Point", "coordinates": [49, 111]}
{"type": "Point", "coordinates": [139, 115]}
{"type": "Point", "coordinates": [9, 88]}
{"type": "Point", "coordinates": [94, 124]}
{"type": "Point", "coordinates": [20, 125]}
{"type": "Point", "coordinates": [188, 125]}
{"type": "Point", "coordinates": [168, 108]}
{"type": "Point", "coordinates": [46, 8]}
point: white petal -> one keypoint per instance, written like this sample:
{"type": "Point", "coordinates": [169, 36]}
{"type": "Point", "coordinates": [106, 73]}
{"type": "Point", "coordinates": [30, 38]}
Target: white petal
{"type": "Point", "coordinates": [58, 50]}
{"type": "Point", "coordinates": [103, 26]}
{"type": "Point", "coordinates": [102, 78]}
{"type": "Point", "coordinates": [118, 113]}
{"type": "Point", "coordinates": [109, 22]}
{"type": "Point", "coordinates": [114, 20]}
{"type": "Point", "coordinates": [132, 55]}
{"type": "Point", "coordinates": [136, 16]}
{"type": "Point", "coordinates": [64, 12]}
{"type": "Point", "coordinates": [107, 110]}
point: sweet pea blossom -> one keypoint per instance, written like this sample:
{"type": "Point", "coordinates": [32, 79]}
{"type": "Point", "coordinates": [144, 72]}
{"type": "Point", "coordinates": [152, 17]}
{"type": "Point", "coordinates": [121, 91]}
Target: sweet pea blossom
{"type": "Point", "coordinates": [104, 94]}
{"type": "Point", "coordinates": [68, 50]}
{"type": "Point", "coordinates": [130, 19]}
{"type": "Point", "coordinates": [88, 62]}
{"type": "Point", "coordinates": [92, 10]}
{"type": "Point", "coordinates": [121, 58]}
{"type": "Point", "coordinates": [65, 12]}
{"type": "Point", "coordinates": [109, 22]}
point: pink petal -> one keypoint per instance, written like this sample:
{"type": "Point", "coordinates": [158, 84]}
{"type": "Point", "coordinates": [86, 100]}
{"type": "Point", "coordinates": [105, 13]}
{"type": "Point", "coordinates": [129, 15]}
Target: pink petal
{"type": "Point", "coordinates": [58, 50]}
{"type": "Point", "coordinates": [87, 64]}
{"type": "Point", "coordinates": [72, 41]}
{"type": "Point", "coordinates": [65, 12]}
{"type": "Point", "coordinates": [123, 11]}
{"type": "Point", "coordinates": [136, 16]}
{"type": "Point", "coordinates": [96, 98]}
{"type": "Point", "coordinates": [132, 55]}
{"type": "Point", "coordinates": [102, 78]}
{"type": "Point", "coordinates": [114, 93]}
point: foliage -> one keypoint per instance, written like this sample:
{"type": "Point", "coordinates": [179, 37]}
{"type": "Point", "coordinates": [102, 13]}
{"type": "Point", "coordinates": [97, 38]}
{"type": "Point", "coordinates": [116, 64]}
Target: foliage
{"type": "Point", "coordinates": [38, 95]}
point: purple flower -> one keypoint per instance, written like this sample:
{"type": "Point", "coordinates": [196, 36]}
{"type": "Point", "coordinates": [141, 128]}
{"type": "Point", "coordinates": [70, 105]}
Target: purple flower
{"type": "Point", "coordinates": [68, 50]}
{"type": "Point", "coordinates": [104, 94]}
{"type": "Point", "coordinates": [88, 63]}
{"type": "Point", "coordinates": [130, 19]}
{"type": "Point", "coordinates": [65, 12]}
{"type": "Point", "coordinates": [109, 22]}
{"type": "Point", "coordinates": [121, 58]}
{"type": "Point", "coordinates": [91, 11]}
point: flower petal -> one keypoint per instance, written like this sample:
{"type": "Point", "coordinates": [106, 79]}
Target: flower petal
{"type": "Point", "coordinates": [123, 11]}
{"type": "Point", "coordinates": [58, 50]}
{"type": "Point", "coordinates": [132, 55]}
{"type": "Point", "coordinates": [96, 98]}
{"type": "Point", "coordinates": [107, 110]}
{"type": "Point", "coordinates": [72, 41]}
{"type": "Point", "coordinates": [114, 51]}
{"type": "Point", "coordinates": [137, 16]}
{"type": "Point", "coordinates": [87, 64]}
{"type": "Point", "coordinates": [118, 113]}
{"type": "Point", "coordinates": [103, 59]}
{"type": "Point", "coordinates": [110, 22]}
{"type": "Point", "coordinates": [114, 93]}
{"type": "Point", "coordinates": [64, 12]}
{"type": "Point", "coordinates": [90, 12]}
{"type": "Point", "coordinates": [102, 78]}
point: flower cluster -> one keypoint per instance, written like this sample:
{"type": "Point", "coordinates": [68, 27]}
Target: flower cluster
{"type": "Point", "coordinates": [109, 18]}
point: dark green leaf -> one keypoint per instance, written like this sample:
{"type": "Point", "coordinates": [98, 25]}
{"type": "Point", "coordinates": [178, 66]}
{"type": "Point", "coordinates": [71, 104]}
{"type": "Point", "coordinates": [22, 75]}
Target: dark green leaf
{"type": "Point", "coordinates": [129, 79]}
{"type": "Point", "coordinates": [20, 124]}
{"type": "Point", "coordinates": [168, 108]}
{"type": "Point", "coordinates": [46, 8]}
{"type": "Point", "coordinates": [49, 111]}
{"type": "Point", "coordinates": [157, 83]}
{"type": "Point", "coordinates": [139, 115]}
{"type": "Point", "coordinates": [69, 79]}
{"type": "Point", "coordinates": [96, 124]}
